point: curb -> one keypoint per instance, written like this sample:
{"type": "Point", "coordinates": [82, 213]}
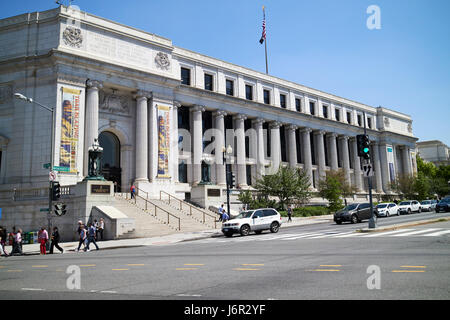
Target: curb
{"type": "Point", "coordinates": [403, 225]}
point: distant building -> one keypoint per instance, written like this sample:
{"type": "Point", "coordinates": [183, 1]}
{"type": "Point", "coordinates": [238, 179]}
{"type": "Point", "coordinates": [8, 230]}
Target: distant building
{"type": "Point", "coordinates": [434, 151]}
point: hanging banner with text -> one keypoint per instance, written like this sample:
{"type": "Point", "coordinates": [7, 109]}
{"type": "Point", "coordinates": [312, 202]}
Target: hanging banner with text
{"type": "Point", "coordinates": [163, 141]}
{"type": "Point", "coordinates": [70, 119]}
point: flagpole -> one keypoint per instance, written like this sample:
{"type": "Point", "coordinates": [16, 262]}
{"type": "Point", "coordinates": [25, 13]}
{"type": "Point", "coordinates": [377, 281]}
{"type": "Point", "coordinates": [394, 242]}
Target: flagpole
{"type": "Point", "coordinates": [265, 42]}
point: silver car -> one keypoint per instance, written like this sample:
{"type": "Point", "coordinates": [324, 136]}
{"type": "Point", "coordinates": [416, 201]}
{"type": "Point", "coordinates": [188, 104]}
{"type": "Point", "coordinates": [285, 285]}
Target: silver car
{"type": "Point", "coordinates": [428, 205]}
{"type": "Point", "coordinates": [387, 209]}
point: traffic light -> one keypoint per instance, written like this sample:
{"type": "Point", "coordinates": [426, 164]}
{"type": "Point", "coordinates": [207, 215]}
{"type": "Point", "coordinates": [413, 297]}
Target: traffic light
{"type": "Point", "coordinates": [56, 191]}
{"type": "Point", "coordinates": [60, 209]}
{"type": "Point", "coordinates": [231, 179]}
{"type": "Point", "coordinates": [363, 144]}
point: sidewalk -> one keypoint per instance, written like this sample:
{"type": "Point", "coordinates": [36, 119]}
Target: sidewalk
{"type": "Point", "coordinates": [70, 247]}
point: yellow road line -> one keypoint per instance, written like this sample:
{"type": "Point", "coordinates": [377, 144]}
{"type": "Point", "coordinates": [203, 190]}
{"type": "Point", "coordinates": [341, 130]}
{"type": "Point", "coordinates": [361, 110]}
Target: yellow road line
{"type": "Point", "coordinates": [15, 270]}
{"type": "Point", "coordinates": [186, 269]}
{"type": "Point", "coordinates": [410, 271]}
{"type": "Point", "coordinates": [324, 270]}
{"type": "Point", "coordinates": [120, 269]}
{"type": "Point", "coordinates": [330, 265]}
{"type": "Point", "coordinates": [39, 266]}
{"type": "Point", "coordinates": [87, 265]}
{"type": "Point", "coordinates": [246, 269]}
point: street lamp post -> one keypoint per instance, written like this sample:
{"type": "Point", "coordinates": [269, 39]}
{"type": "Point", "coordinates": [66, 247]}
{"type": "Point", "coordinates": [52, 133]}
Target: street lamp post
{"type": "Point", "coordinates": [228, 151]}
{"type": "Point", "coordinates": [30, 100]}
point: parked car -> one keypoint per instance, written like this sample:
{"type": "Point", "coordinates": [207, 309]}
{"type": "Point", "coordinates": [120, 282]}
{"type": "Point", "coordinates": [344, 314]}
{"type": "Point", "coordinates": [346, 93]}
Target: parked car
{"type": "Point", "coordinates": [428, 205]}
{"type": "Point", "coordinates": [409, 206]}
{"type": "Point", "coordinates": [354, 213]}
{"type": "Point", "coordinates": [387, 209]}
{"type": "Point", "coordinates": [443, 205]}
{"type": "Point", "coordinates": [253, 220]}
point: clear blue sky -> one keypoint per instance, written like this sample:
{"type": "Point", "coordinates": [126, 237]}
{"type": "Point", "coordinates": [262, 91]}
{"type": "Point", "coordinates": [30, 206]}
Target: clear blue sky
{"type": "Point", "coordinates": [323, 44]}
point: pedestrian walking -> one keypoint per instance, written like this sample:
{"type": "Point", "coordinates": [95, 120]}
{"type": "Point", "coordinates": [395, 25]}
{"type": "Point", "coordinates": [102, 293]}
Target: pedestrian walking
{"type": "Point", "coordinates": [55, 241]}
{"type": "Point", "coordinates": [225, 216]}
{"type": "Point", "coordinates": [43, 238]}
{"type": "Point", "coordinates": [96, 228]}
{"type": "Point", "coordinates": [17, 249]}
{"type": "Point", "coordinates": [82, 237]}
{"type": "Point", "coordinates": [3, 237]}
{"type": "Point", "coordinates": [289, 213]}
{"type": "Point", "coordinates": [101, 227]}
{"type": "Point", "coordinates": [91, 237]}
{"type": "Point", "coordinates": [133, 191]}
{"type": "Point", "coordinates": [221, 209]}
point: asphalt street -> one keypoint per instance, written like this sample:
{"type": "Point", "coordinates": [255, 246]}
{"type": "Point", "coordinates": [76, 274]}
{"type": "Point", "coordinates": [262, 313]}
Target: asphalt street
{"type": "Point", "coordinates": [323, 261]}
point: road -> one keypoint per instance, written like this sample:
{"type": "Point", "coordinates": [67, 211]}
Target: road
{"type": "Point", "coordinates": [323, 261]}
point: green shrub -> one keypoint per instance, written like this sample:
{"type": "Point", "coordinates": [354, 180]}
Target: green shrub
{"type": "Point", "coordinates": [307, 211]}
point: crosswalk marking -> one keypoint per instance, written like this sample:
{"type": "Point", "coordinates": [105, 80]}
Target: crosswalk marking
{"type": "Point", "coordinates": [379, 234]}
{"type": "Point", "coordinates": [415, 232]}
{"type": "Point", "coordinates": [438, 233]}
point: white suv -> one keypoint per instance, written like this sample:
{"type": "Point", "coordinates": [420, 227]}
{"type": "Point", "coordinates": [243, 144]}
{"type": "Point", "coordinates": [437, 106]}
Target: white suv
{"type": "Point", "coordinates": [409, 206]}
{"type": "Point", "coordinates": [253, 220]}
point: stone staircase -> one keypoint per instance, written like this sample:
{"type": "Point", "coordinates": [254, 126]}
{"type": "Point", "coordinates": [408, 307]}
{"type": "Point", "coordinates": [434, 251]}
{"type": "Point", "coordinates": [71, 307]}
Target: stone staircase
{"type": "Point", "coordinates": [158, 217]}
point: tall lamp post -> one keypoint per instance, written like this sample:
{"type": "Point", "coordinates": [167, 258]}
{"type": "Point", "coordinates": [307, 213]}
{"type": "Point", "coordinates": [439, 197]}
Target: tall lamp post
{"type": "Point", "coordinates": [227, 152]}
{"type": "Point", "coordinates": [30, 100]}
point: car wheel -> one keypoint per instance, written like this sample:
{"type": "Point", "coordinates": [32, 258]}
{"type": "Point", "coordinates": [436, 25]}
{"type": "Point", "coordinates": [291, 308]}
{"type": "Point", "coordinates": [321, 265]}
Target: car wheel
{"type": "Point", "coordinates": [409, 211]}
{"type": "Point", "coordinates": [398, 212]}
{"type": "Point", "coordinates": [274, 227]}
{"type": "Point", "coordinates": [420, 210]}
{"type": "Point", "coordinates": [228, 234]}
{"type": "Point", "coordinates": [388, 214]}
{"type": "Point", "coordinates": [354, 219]}
{"type": "Point", "coordinates": [245, 230]}
{"type": "Point", "coordinates": [338, 222]}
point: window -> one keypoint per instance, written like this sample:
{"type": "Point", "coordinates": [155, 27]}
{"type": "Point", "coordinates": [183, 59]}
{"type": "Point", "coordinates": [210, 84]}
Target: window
{"type": "Point", "coordinates": [283, 101]}
{"type": "Point", "coordinates": [349, 117]}
{"type": "Point", "coordinates": [208, 82]}
{"type": "Point", "coordinates": [186, 76]}
{"type": "Point", "coordinates": [230, 87]}
{"type": "Point", "coordinates": [337, 114]}
{"type": "Point", "coordinates": [248, 92]}
{"type": "Point", "coordinates": [312, 108]}
{"type": "Point", "coordinates": [325, 111]}
{"type": "Point", "coordinates": [298, 104]}
{"type": "Point", "coordinates": [359, 120]}
{"type": "Point", "coordinates": [369, 123]}
{"type": "Point", "coordinates": [266, 96]}
{"type": "Point", "coordinates": [258, 214]}
{"type": "Point", "coordinates": [269, 212]}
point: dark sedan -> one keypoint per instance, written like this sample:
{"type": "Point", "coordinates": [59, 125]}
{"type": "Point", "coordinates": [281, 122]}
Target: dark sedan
{"type": "Point", "coordinates": [443, 205]}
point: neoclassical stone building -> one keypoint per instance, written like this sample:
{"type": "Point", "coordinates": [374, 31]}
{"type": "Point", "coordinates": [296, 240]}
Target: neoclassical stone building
{"type": "Point", "coordinates": [157, 109]}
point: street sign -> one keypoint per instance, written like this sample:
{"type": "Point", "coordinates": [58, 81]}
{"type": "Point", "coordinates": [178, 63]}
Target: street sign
{"type": "Point", "coordinates": [46, 165]}
{"type": "Point", "coordinates": [368, 170]}
{"type": "Point", "coordinates": [52, 176]}
{"type": "Point", "coordinates": [63, 169]}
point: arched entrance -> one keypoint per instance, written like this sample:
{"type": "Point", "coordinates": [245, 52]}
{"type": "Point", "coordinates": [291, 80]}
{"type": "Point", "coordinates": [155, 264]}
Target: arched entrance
{"type": "Point", "coordinates": [111, 169]}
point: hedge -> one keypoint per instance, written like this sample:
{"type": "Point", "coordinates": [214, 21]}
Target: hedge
{"type": "Point", "coordinates": [307, 211]}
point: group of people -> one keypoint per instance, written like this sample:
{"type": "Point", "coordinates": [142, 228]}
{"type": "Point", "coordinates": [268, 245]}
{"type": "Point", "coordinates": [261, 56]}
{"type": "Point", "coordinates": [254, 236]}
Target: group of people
{"type": "Point", "coordinates": [223, 215]}
{"type": "Point", "coordinates": [90, 234]}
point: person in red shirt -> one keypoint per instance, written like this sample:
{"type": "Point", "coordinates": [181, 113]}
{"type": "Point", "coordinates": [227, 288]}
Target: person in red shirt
{"type": "Point", "coordinates": [43, 238]}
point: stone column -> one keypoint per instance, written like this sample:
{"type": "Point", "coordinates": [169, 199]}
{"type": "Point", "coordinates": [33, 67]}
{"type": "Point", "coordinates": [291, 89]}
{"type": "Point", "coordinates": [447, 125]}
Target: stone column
{"type": "Point", "coordinates": [377, 167]}
{"type": "Point", "coordinates": [406, 156]}
{"type": "Point", "coordinates": [320, 153]}
{"type": "Point", "coordinates": [91, 124]}
{"type": "Point", "coordinates": [386, 181]}
{"type": "Point", "coordinates": [292, 146]}
{"type": "Point", "coordinates": [219, 145]}
{"type": "Point", "coordinates": [240, 150]}
{"type": "Point", "coordinates": [345, 157]}
{"type": "Point", "coordinates": [142, 135]}
{"type": "Point", "coordinates": [333, 151]}
{"type": "Point", "coordinates": [174, 142]}
{"type": "Point", "coordinates": [357, 166]}
{"type": "Point", "coordinates": [307, 159]}
{"type": "Point", "coordinates": [260, 158]}
{"type": "Point", "coordinates": [275, 145]}
{"type": "Point", "coordinates": [197, 143]}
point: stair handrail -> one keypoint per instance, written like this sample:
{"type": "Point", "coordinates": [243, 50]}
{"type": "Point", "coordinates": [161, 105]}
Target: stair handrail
{"type": "Point", "coordinates": [156, 207]}
{"type": "Point", "coordinates": [189, 205]}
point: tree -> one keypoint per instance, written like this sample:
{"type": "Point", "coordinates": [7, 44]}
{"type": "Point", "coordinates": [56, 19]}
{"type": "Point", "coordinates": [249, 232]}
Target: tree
{"type": "Point", "coordinates": [334, 188]}
{"type": "Point", "coordinates": [405, 185]}
{"type": "Point", "coordinates": [288, 185]}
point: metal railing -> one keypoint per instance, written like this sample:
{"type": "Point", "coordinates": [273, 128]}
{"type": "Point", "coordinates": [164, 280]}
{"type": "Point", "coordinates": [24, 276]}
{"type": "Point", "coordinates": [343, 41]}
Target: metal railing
{"type": "Point", "coordinates": [156, 207]}
{"type": "Point", "coordinates": [191, 207]}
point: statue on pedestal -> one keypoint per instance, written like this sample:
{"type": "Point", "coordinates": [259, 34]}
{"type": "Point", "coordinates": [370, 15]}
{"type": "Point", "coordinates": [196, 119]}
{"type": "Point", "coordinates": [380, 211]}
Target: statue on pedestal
{"type": "Point", "coordinates": [94, 163]}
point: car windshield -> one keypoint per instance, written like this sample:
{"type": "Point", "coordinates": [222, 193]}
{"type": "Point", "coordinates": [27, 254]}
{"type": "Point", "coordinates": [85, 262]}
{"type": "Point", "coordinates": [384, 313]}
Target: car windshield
{"type": "Point", "coordinates": [383, 205]}
{"type": "Point", "coordinates": [351, 207]}
{"type": "Point", "coordinates": [426, 202]}
{"type": "Point", "coordinates": [244, 214]}
{"type": "Point", "coordinates": [405, 203]}
{"type": "Point", "coordinates": [446, 200]}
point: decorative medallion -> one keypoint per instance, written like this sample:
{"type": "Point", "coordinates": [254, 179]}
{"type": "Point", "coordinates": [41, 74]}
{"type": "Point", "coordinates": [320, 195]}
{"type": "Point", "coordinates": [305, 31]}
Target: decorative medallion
{"type": "Point", "coordinates": [112, 103]}
{"type": "Point", "coordinates": [72, 36]}
{"type": "Point", "coordinates": [162, 60]}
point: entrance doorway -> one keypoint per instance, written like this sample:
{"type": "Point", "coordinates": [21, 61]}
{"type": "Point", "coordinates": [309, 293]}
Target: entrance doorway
{"type": "Point", "coordinates": [111, 169]}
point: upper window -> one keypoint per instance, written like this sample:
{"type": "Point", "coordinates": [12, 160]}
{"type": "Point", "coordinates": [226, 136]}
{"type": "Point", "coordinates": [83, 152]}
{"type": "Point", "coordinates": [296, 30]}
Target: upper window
{"type": "Point", "coordinates": [208, 82]}
{"type": "Point", "coordinates": [230, 87]}
{"type": "Point", "coordinates": [312, 108]}
{"type": "Point", "coordinates": [359, 120]}
{"type": "Point", "coordinates": [298, 104]}
{"type": "Point", "coordinates": [283, 101]}
{"type": "Point", "coordinates": [337, 114]}
{"type": "Point", "coordinates": [325, 111]}
{"type": "Point", "coordinates": [186, 76]}
{"type": "Point", "coordinates": [349, 117]}
{"type": "Point", "coordinates": [248, 92]}
{"type": "Point", "coordinates": [266, 94]}
{"type": "Point", "coordinates": [369, 123]}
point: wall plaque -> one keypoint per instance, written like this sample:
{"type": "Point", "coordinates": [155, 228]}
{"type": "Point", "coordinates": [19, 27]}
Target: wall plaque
{"type": "Point", "coordinates": [100, 189]}
{"type": "Point", "coordinates": [213, 192]}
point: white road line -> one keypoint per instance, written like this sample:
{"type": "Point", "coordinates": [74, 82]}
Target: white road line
{"type": "Point", "coordinates": [435, 234]}
{"type": "Point", "coordinates": [33, 289]}
{"type": "Point", "coordinates": [351, 234]}
{"type": "Point", "coordinates": [415, 232]}
{"type": "Point", "coordinates": [281, 236]}
{"type": "Point", "coordinates": [380, 234]}
{"type": "Point", "coordinates": [106, 291]}
{"type": "Point", "coordinates": [331, 234]}
{"type": "Point", "coordinates": [303, 235]}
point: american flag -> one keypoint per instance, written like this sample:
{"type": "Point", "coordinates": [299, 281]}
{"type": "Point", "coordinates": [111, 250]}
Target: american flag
{"type": "Point", "coordinates": [263, 36]}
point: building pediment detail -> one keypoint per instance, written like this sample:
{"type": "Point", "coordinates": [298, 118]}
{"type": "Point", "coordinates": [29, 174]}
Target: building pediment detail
{"type": "Point", "coordinates": [114, 103]}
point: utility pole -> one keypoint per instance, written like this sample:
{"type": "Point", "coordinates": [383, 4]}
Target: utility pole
{"type": "Point", "coordinates": [372, 220]}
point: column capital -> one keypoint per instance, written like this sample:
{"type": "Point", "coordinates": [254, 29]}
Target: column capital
{"type": "Point", "coordinates": [176, 104]}
{"type": "Point", "coordinates": [142, 94]}
{"type": "Point", "coordinates": [306, 130]}
{"type": "Point", "coordinates": [239, 116]}
{"type": "Point", "coordinates": [219, 114]}
{"type": "Point", "coordinates": [94, 84]}
{"type": "Point", "coordinates": [344, 138]}
{"type": "Point", "coordinates": [332, 134]}
{"type": "Point", "coordinates": [292, 127]}
{"type": "Point", "coordinates": [275, 125]}
{"type": "Point", "coordinates": [320, 132]}
{"type": "Point", "coordinates": [258, 121]}
{"type": "Point", "coordinates": [197, 108]}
